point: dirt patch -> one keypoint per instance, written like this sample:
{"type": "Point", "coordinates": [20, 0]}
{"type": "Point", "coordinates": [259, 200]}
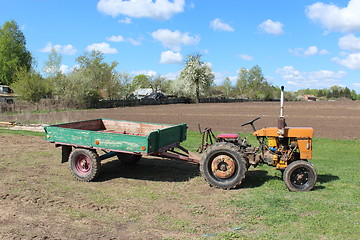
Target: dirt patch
{"type": "Point", "coordinates": [157, 199]}
{"type": "Point", "coordinates": [338, 120]}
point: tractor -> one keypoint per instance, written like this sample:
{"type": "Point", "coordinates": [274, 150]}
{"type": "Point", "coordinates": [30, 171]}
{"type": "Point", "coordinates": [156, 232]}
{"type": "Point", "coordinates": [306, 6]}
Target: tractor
{"type": "Point", "coordinates": [226, 158]}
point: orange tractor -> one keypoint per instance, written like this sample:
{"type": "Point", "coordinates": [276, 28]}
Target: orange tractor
{"type": "Point", "coordinates": [227, 157]}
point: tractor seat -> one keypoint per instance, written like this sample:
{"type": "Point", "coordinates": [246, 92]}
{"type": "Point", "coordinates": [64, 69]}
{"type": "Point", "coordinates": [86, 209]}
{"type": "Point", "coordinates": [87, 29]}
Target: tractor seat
{"type": "Point", "coordinates": [228, 136]}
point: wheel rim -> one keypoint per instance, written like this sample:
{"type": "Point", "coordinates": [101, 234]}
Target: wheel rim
{"type": "Point", "coordinates": [82, 164]}
{"type": "Point", "coordinates": [300, 177]}
{"type": "Point", "coordinates": [223, 166]}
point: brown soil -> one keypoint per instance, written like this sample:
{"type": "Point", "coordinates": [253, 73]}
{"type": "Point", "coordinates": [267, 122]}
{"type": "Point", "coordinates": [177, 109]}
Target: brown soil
{"type": "Point", "coordinates": [157, 199]}
{"type": "Point", "coordinates": [338, 120]}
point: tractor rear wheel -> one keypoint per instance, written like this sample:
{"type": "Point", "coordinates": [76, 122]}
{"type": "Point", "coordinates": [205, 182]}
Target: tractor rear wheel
{"type": "Point", "coordinates": [299, 176]}
{"type": "Point", "coordinates": [223, 165]}
{"type": "Point", "coordinates": [84, 164]}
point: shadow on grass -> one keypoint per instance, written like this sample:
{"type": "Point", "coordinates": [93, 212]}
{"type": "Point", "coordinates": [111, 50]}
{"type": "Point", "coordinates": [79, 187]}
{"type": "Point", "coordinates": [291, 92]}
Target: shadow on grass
{"type": "Point", "coordinates": [152, 169]}
{"type": "Point", "coordinates": [256, 178]}
{"type": "Point", "coordinates": [325, 178]}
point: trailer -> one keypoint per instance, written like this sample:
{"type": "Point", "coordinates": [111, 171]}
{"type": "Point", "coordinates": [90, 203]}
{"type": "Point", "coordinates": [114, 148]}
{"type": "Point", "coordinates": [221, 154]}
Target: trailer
{"type": "Point", "coordinates": [82, 143]}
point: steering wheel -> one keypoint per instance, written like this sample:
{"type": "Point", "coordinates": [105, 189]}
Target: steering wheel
{"type": "Point", "coordinates": [251, 121]}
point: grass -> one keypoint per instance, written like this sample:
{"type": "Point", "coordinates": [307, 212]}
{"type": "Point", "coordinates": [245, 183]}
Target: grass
{"type": "Point", "coordinates": [177, 206]}
{"type": "Point", "coordinates": [20, 132]}
{"type": "Point", "coordinates": [270, 212]}
{"type": "Point", "coordinates": [318, 214]}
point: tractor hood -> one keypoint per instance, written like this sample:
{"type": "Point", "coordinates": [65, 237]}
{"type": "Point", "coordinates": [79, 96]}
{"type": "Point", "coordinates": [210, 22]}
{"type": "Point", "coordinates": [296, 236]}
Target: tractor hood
{"type": "Point", "coordinates": [298, 132]}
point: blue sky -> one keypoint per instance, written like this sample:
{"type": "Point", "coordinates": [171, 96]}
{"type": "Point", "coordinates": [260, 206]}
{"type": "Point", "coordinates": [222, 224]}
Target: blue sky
{"type": "Point", "coordinates": [298, 43]}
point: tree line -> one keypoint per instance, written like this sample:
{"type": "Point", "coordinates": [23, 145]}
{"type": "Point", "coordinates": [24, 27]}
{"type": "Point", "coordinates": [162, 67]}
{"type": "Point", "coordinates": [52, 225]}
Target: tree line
{"type": "Point", "coordinates": [94, 79]}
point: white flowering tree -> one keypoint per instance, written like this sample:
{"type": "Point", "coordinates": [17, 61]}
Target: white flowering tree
{"type": "Point", "coordinates": [195, 78]}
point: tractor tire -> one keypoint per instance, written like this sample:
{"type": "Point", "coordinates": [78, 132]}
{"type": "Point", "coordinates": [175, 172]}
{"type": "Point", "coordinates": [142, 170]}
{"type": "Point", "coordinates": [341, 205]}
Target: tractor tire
{"type": "Point", "coordinates": [299, 176]}
{"type": "Point", "coordinates": [127, 158]}
{"type": "Point", "coordinates": [84, 164]}
{"type": "Point", "coordinates": [223, 165]}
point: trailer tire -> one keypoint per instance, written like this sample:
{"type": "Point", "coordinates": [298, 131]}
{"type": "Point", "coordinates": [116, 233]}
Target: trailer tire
{"type": "Point", "coordinates": [128, 158]}
{"type": "Point", "coordinates": [299, 176]}
{"type": "Point", "coordinates": [84, 164]}
{"type": "Point", "coordinates": [223, 165]}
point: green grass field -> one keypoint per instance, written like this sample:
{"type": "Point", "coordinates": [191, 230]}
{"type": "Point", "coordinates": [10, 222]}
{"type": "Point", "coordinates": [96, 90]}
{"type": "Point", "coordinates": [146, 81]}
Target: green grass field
{"type": "Point", "coordinates": [171, 200]}
{"type": "Point", "coordinates": [330, 211]}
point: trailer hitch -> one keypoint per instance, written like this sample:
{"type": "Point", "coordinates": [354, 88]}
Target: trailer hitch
{"type": "Point", "coordinates": [207, 139]}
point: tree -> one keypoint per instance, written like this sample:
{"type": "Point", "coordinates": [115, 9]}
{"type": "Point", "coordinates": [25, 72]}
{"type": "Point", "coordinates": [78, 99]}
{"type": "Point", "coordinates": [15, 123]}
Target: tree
{"type": "Point", "coordinates": [125, 83]}
{"type": "Point", "coordinates": [99, 74]}
{"type": "Point", "coordinates": [13, 52]}
{"type": "Point", "coordinates": [227, 87]}
{"type": "Point", "coordinates": [30, 85]}
{"type": "Point", "coordinates": [197, 76]}
{"type": "Point", "coordinates": [252, 84]}
{"type": "Point", "coordinates": [141, 81]}
{"type": "Point", "coordinates": [53, 64]}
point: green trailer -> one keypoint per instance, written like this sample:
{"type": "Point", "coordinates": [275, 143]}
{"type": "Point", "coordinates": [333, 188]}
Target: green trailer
{"type": "Point", "coordinates": [81, 143]}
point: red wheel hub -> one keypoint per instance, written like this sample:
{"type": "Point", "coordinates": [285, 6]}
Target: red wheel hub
{"type": "Point", "coordinates": [82, 164]}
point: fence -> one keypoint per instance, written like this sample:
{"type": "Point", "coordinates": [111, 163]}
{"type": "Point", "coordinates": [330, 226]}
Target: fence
{"type": "Point", "coordinates": [138, 102]}
{"type": "Point", "coordinates": [53, 105]}
{"type": "Point", "coordinates": [149, 101]}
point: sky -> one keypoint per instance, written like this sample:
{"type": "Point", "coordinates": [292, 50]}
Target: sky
{"type": "Point", "coordinates": [298, 44]}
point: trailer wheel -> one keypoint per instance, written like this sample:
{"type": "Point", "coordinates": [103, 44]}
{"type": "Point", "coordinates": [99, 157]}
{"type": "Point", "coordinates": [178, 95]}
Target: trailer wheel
{"type": "Point", "coordinates": [84, 164]}
{"type": "Point", "coordinates": [223, 165]}
{"type": "Point", "coordinates": [299, 176]}
{"type": "Point", "coordinates": [127, 158]}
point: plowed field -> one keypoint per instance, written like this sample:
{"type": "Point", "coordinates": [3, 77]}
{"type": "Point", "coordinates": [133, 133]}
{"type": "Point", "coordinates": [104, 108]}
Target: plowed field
{"type": "Point", "coordinates": [337, 120]}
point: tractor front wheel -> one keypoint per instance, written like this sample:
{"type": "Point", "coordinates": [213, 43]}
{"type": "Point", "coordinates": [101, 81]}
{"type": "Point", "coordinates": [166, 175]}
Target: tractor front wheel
{"type": "Point", "coordinates": [223, 166]}
{"type": "Point", "coordinates": [84, 164]}
{"type": "Point", "coordinates": [299, 176]}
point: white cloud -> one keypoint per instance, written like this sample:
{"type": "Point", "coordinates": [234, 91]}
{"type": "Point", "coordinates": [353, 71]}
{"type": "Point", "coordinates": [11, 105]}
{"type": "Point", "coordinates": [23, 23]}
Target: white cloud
{"type": "Point", "coordinates": [310, 51]}
{"type": "Point", "coordinates": [275, 28]}
{"type": "Point", "coordinates": [172, 76]}
{"type": "Point", "coordinates": [62, 49]}
{"type": "Point", "coordinates": [150, 73]}
{"type": "Point", "coordinates": [356, 85]}
{"type": "Point", "coordinates": [170, 57]}
{"type": "Point", "coordinates": [245, 57]}
{"type": "Point", "coordinates": [158, 9]}
{"type": "Point", "coordinates": [174, 40]}
{"type": "Point", "coordinates": [334, 18]}
{"type": "Point", "coordinates": [118, 38]}
{"type": "Point", "coordinates": [218, 25]}
{"type": "Point", "coordinates": [125, 20]}
{"type": "Point", "coordinates": [352, 61]}
{"type": "Point", "coordinates": [64, 69]}
{"type": "Point", "coordinates": [102, 47]}
{"type": "Point", "coordinates": [324, 52]}
{"type": "Point", "coordinates": [350, 42]}
{"type": "Point", "coordinates": [133, 41]}
{"type": "Point", "coordinates": [316, 79]}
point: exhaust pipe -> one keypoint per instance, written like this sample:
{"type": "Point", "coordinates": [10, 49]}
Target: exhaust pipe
{"type": "Point", "coordinates": [281, 120]}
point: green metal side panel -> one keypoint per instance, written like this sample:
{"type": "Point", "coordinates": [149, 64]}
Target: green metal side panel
{"type": "Point", "coordinates": [121, 142]}
{"type": "Point", "coordinates": [70, 136]}
{"type": "Point", "coordinates": [154, 141]}
{"type": "Point", "coordinates": [164, 137]}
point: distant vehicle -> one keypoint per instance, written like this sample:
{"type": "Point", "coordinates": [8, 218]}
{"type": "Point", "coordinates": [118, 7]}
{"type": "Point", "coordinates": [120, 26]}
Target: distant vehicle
{"type": "Point", "coordinates": [6, 94]}
{"type": "Point", "coordinates": [156, 95]}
